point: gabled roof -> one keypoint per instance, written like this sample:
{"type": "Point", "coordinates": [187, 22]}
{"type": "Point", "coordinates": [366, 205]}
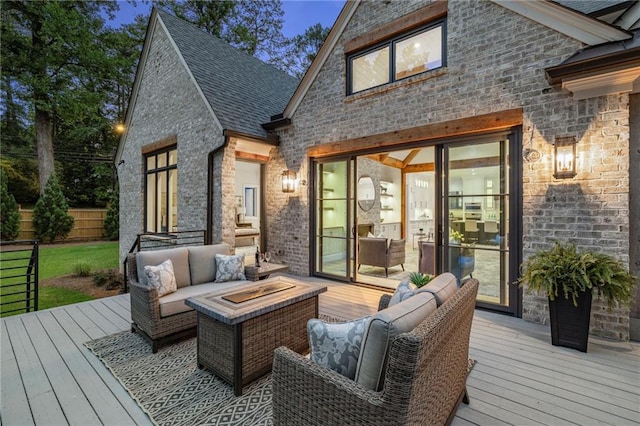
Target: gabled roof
{"type": "Point", "coordinates": [573, 23]}
{"type": "Point", "coordinates": [242, 91]}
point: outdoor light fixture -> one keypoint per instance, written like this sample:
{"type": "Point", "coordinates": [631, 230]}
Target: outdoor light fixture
{"type": "Point", "coordinates": [565, 157]}
{"type": "Point", "coordinates": [288, 181]}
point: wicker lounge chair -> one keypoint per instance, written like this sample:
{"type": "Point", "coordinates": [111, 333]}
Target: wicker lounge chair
{"type": "Point", "coordinates": [424, 383]}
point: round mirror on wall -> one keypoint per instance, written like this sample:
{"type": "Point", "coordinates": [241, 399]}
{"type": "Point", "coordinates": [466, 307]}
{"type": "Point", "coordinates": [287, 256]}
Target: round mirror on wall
{"type": "Point", "coordinates": [366, 193]}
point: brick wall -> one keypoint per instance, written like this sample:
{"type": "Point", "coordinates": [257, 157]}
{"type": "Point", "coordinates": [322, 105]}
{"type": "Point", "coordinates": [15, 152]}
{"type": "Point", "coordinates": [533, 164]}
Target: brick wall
{"type": "Point", "coordinates": [167, 104]}
{"type": "Point", "coordinates": [496, 62]}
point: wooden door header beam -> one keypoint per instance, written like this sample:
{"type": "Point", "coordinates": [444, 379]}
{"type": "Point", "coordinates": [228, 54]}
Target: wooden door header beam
{"type": "Point", "coordinates": [393, 140]}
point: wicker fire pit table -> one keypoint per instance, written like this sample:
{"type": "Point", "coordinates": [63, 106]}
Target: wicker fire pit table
{"type": "Point", "coordinates": [239, 329]}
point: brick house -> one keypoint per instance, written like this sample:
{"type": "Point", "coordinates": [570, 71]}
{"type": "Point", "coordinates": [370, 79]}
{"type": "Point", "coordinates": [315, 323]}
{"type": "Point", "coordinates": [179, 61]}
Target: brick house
{"type": "Point", "coordinates": [421, 118]}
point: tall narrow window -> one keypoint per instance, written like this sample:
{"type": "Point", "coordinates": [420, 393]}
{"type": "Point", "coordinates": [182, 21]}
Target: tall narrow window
{"type": "Point", "coordinates": [161, 191]}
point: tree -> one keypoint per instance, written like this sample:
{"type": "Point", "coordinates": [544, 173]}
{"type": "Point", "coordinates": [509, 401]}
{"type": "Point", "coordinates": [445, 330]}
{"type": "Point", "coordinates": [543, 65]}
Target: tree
{"type": "Point", "coordinates": [50, 216]}
{"type": "Point", "coordinates": [303, 49]}
{"type": "Point", "coordinates": [112, 218]}
{"type": "Point", "coordinates": [54, 53]}
{"type": "Point", "coordinates": [9, 212]}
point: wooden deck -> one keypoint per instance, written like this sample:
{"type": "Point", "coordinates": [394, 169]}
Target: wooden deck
{"type": "Point", "coordinates": [49, 377]}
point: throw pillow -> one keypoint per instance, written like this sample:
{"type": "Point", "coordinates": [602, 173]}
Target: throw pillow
{"type": "Point", "coordinates": [337, 345]}
{"type": "Point", "coordinates": [370, 235]}
{"type": "Point", "coordinates": [404, 291]}
{"type": "Point", "coordinates": [229, 268]}
{"type": "Point", "coordinates": [161, 277]}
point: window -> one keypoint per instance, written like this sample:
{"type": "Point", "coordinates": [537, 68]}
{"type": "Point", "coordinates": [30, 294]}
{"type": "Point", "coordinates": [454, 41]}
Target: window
{"type": "Point", "coordinates": [397, 58]}
{"type": "Point", "coordinates": [161, 191]}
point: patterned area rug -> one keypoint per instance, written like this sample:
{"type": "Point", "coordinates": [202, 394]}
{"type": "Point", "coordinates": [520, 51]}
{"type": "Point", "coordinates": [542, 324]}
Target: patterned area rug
{"type": "Point", "coordinates": [171, 389]}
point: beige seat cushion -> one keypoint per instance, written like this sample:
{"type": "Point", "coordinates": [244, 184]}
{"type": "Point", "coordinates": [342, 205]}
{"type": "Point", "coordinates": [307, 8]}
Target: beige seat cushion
{"type": "Point", "coordinates": [202, 262]}
{"type": "Point", "coordinates": [442, 287]}
{"type": "Point", "coordinates": [382, 329]}
{"type": "Point", "coordinates": [173, 303]}
{"type": "Point", "coordinates": [179, 259]}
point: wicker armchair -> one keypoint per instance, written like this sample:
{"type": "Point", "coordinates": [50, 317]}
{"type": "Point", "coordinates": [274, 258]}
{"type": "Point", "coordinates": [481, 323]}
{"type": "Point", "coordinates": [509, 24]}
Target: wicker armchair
{"type": "Point", "coordinates": [145, 312]}
{"type": "Point", "coordinates": [425, 379]}
{"type": "Point", "coordinates": [377, 252]}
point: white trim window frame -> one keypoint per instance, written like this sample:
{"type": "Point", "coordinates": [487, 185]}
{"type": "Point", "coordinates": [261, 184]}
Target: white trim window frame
{"type": "Point", "coordinates": [402, 56]}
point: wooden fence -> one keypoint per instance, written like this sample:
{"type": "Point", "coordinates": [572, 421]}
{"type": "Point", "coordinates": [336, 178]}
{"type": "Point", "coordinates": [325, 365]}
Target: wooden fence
{"type": "Point", "coordinates": [88, 225]}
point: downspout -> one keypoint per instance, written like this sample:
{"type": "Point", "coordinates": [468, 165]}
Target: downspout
{"type": "Point", "coordinates": [209, 233]}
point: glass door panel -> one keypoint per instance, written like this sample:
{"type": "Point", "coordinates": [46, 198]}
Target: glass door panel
{"type": "Point", "coordinates": [475, 198]}
{"type": "Point", "coordinates": [333, 219]}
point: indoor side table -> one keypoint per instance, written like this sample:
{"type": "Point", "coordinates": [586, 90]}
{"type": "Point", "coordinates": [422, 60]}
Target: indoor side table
{"type": "Point", "coordinates": [239, 328]}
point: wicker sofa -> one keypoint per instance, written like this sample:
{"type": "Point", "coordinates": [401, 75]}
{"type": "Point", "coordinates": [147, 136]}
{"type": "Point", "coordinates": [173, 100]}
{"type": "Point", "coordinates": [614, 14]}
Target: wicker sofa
{"type": "Point", "coordinates": [166, 318]}
{"type": "Point", "coordinates": [424, 375]}
{"type": "Point", "coordinates": [381, 252]}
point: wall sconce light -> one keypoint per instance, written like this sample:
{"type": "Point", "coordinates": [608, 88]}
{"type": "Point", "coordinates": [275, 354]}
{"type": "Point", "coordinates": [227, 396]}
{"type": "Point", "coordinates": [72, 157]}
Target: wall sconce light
{"type": "Point", "coordinates": [565, 157]}
{"type": "Point", "coordinates": [288, 181]}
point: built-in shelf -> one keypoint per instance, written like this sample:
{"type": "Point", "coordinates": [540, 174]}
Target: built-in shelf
{"type": "Point", "coordinates": [386, 209]}
{"type": "Point", "coordinates": [327, 208]}
{"type": "Point", "coordinates": [327, 189]}
{"type": "Point", "coordinates": [384, 194]}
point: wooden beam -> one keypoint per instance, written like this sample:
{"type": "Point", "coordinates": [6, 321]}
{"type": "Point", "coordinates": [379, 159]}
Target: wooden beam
{"type": "Point", "coordinates": [241, 155]}
{"type": "Point", "coordinates": [392, 162]}
{"type": "Point", "coordinates": [417, 168]}
{"type": "Point", "coordinates": [410, 157]}
{"type": "Point", "coordinates": [395, 139]}
{"type": "Point", "coordinates": [161, 144]}
{"type": "Point", "coordinates": [415, 19]}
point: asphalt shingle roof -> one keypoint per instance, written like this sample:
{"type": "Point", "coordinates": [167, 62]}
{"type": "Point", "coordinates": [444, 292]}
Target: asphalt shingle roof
{"type": "Point", "coordinates": [589, 6]}
{"type": "Point", "coordinates": [243, 91]}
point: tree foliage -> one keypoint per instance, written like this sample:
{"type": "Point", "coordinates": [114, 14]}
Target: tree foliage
{"type": "Point", "coordinates": [303, 49]}
{"type": "Point", "coordinates": [9, 212]}
{"type": "Point", "coordinates": [112, 218]}
{"type": "Point", "coordinates": [51, 218]}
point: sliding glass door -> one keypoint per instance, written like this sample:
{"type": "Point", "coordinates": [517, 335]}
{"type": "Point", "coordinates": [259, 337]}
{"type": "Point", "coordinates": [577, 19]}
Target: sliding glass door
{"type": "Point", "coordinates": [476, 210]}
{"type": "Point", "coordinates": [333, 204]}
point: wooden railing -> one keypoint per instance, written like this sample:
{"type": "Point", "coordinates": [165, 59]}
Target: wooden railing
{"type": "Point", "coordinates": [18, 276]}
{"type": "Point", "coordinates": [153, 241]}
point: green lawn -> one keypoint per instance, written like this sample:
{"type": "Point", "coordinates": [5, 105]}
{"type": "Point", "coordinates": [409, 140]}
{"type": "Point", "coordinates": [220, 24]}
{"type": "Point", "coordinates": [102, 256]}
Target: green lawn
{"type": "Point", "coordinates": [54, 261]}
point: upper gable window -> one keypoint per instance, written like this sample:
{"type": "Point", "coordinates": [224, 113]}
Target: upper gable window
{"type": "Point", "coordinates": [397, 58]}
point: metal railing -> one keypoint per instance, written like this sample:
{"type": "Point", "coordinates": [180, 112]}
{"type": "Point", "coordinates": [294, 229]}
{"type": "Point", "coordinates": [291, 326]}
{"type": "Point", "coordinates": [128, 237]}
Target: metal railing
{"type": "Point", "coordinates": [18, 276]}
{"type": "Point", "coordinates": [153, 241]}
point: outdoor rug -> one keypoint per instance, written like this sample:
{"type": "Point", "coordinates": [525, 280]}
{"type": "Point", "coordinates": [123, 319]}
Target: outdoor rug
{"type": "Point", "coordinates": [171, 389]}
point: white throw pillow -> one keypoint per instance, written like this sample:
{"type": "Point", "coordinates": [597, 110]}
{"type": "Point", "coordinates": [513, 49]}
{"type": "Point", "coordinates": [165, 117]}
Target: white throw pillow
{"type": "Point", "coordinates": [370, 235]}
{"type": "Point", "coordinates": [229, 268]}
{"type": "Point", "coordinates": [337, 345]}
{"type": "Point", "coordinates": [161, 277]}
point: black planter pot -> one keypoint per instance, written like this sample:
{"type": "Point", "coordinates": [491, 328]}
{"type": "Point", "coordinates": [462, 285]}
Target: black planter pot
{"type": "Point", "coordinates": [570, 324]}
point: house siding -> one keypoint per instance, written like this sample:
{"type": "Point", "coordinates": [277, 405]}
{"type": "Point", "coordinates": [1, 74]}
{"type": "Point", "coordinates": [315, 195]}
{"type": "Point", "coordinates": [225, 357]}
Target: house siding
{"type": "Point", "coordinates": [495, 62]}
{"type": "Point", "coordinates": [167, 104]}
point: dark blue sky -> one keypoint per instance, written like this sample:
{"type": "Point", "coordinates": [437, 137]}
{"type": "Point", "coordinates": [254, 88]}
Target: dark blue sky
{"type": "Point", "coordinates": [299, 14]}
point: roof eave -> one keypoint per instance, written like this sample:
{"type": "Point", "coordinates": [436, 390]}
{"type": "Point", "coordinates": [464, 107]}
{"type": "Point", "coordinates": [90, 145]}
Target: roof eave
{"type": "Point", "coordinates": [597, 65]}
{"type": "Point", "coordinates": [579, 26]}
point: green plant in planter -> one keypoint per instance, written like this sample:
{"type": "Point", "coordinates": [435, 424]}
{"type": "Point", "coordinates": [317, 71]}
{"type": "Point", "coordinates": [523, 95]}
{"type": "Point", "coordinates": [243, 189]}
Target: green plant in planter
{"type": "Point", "coordinates": [565, 271]}
{"type": "Point", "coordinates": [420, 279]}
{"type": "Point", "coordinates": [456, 236]}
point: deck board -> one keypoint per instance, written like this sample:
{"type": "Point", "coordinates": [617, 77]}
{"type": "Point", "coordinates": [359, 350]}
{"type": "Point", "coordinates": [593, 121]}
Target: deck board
{"type": "Point", "coordinates": [519, 377]}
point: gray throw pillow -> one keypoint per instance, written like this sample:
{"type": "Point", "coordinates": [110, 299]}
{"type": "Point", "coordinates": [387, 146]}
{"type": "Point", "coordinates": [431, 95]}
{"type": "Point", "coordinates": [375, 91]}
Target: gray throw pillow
{"type": "Point", "coordinates": [161, 277]}
{"type": "Point", "coordinates": [337, 345]}
{"type": "Point", "coordinates": [404, 291]}
{"type": "Point", "coordinates": [229, 268]}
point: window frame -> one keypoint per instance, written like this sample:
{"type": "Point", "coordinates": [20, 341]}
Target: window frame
{"type": "Point", "coordinates": [167, 168]}
{"type": "Point", "coordinates": [391, 43]}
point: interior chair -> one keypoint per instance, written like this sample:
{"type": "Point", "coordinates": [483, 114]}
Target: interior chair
{"type": "Point", "coordinates": [427, 257]}
{"type": "Point", "coordinates": [471, 230]}
{"type": "Point", "coordinates": [490, 231]}
{"type": "Point", "coordinates": [378, 252]}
